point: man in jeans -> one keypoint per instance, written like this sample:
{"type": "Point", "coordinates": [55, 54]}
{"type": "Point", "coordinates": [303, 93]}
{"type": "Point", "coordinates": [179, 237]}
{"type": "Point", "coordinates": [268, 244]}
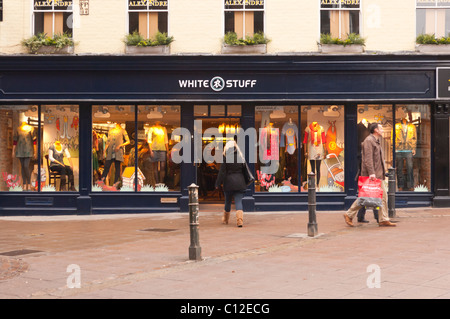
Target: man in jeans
{"type": "Point", "coordinates": [372, 165]}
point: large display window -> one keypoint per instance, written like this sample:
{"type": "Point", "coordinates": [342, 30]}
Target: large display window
{"type": "Point", "coordinates": [323, 129]}
{"type": "Point", "coordinates": [57, 167]}
{"type": "Point", "coordinates": [130, 155]}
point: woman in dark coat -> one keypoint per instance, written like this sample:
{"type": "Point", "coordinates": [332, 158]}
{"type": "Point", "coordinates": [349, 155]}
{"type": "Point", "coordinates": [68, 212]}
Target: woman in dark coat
{"type": "Point", "coordinates": [231, 174]}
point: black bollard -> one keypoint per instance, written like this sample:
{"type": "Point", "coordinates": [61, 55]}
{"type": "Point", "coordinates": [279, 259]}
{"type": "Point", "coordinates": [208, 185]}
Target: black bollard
{"type": "Point", "coordinates": [312, 225]}
{"type": "Point", "coordinates": [391, 192]}
{"type": "Point", "coordinates": [194, 249]}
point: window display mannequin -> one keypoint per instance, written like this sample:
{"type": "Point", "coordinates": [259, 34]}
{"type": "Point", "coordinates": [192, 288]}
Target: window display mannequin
{"type": "Point", "coordinates": [159, 146]}
{"type": "Point", "coordinates": [24, 148]}
{"type": "Point", "coordinates": [117, 139]}
{"type": "Point", "coordinates": [405, 149]}
{"type": "Point", "coordinates": [314, 140]}
{"type": "Point", "coordinates": [56, 154]}
{"type": "Point", "coordinates": [289, 138]}
{"type": "Point", "coordinates": [269, 139]}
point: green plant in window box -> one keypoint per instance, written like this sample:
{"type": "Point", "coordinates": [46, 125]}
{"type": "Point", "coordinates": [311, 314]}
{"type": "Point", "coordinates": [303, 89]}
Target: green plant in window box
{"type": "Point", "coordinates": [137, 44]}
{"type": "Point", "coordinates": [257, 43]}
{"type": "Point", "coordinates": [354, 43]}
{"type": "Point", "coordinates": [41, 43]}
{"type": "Point", "coordinates": [429, 43]}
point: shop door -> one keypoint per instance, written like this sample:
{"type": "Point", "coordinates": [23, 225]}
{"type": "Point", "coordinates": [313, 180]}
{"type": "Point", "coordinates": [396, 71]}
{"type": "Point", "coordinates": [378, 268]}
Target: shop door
{"type": "Point", "coordinates": [225, 120]}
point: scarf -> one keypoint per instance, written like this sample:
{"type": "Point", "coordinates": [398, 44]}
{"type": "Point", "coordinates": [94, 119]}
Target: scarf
{"type": "Point", "coordinates": [315, 133]}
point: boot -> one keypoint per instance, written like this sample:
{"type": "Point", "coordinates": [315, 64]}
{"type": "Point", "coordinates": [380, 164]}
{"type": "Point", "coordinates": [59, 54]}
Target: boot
{"type": "Point", "coordinates": [240, 218]}
{"type": "Point", "coordinates": [225, 218]}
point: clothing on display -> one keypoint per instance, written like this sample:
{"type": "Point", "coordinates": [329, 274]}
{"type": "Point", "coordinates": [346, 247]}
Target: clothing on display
{"type": "Point", "coordinates": [159, 145]}
{"type": "Point", "coordinates": [117, 139]}
{"type": "Point", "coordinates": [314, 140]}
{"type": "Point", "coordinates": [269, 141]}
{"type": "Point", "coordinates": [405, 149]}
{"type": "Point", "coordinates": [289, 137]}
{"type": "Point", "coordinates": [24, 143]}
{"type": "Point", "coordinates": [56, 155]}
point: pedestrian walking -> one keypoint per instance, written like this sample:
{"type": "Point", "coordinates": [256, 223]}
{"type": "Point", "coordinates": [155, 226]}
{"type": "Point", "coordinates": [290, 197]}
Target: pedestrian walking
{"type": "Point", "coordinates": [232, 176]}
{"type": "Point", "coordinates": [373, 166]}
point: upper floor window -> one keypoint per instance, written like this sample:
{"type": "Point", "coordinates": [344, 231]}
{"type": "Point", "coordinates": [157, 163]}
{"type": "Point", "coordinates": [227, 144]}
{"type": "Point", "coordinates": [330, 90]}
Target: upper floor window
{"type": "Point", "coordinates": [53, 17]}
{"type": "Point", "coordinates": [244, 17]}
{"type": "Point", "coordinates": [433, 17]}
{"type": "Point", "coordinates": [148, 17]}
{"type": "Point", "coordinates": [339, 17]}
{"type": "Point", "coordinates": [1, 10]}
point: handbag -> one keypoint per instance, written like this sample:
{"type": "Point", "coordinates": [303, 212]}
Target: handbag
{"type": "Point", "coordinates": [370, 192]}
{"type": "Point", "coordinates": [248, 176]}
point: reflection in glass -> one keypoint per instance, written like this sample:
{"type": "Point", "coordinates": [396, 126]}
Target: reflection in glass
{"type": "Point", "coordinates": [322, 127]}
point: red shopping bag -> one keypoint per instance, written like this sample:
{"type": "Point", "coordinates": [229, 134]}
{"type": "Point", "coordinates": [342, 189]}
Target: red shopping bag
{"type": "Point", "coordinates": [370, 192]}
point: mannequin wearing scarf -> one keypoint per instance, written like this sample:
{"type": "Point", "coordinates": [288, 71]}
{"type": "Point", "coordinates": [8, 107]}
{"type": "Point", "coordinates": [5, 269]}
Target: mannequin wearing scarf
{"type": "Point", "coordinates": [314, 140]}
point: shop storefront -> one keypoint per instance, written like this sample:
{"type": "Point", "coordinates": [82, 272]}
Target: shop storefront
{"type": "Point", "coordinates": [121, 134]}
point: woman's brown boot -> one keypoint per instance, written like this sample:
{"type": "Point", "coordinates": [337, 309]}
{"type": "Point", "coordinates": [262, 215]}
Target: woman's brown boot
{"type": "Point", "coordinates": [226, 217]}
{"type": "Point", "coordinates": [240, 218]}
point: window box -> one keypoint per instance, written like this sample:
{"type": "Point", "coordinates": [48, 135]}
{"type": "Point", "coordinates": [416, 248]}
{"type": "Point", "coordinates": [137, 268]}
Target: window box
{"type": "Point", "coordinates": [342, 49]}
{"type": "Point", "coordinates": [42, 44]}
{"type": "Point", "coordinates": [433, 48]}
{"type": "Point", "coordinates": [353, 44]}
{"type": "Point", "coordinates": [256, 44]}
{"type": "Point", "coordinates": [428, 43]}
{"type": "Point", "coordinates": [157, 49]}
{"type": "Point", "coordinates": [135, 43]}
{"type": "Point", "coordinates": [244, 49]}
{"type": "Point", "coordinates": [51, 49]}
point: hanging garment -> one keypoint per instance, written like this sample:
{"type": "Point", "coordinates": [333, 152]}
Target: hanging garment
{"type": "Point", "coordinates": [289, 135]}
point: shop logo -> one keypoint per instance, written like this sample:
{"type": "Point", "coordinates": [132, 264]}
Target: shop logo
{"type": "Point", "coordinates": [217, 84]}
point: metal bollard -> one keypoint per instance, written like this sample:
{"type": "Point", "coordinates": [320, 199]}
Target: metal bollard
{"type": "Point", "coordinates": [312, 225]}
{"type": "Point", "coordinates": [194, 249]}
{"type": "Point", "coordinates": [391, 192]}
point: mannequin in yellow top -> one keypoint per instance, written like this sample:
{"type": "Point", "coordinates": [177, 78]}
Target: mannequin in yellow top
{"type": "Point", "coordinates": [56, 154]}
{"type": "Point", "coordinates": [159, 146]}
{"type": "Point", "coordinates": [24, 148]}
{"type": "Point", "coordinates": [405, 149]}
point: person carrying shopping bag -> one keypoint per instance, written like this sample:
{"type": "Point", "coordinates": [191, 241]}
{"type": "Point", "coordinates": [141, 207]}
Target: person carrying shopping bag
{"type": "Point", "coordinates": [235, 175]}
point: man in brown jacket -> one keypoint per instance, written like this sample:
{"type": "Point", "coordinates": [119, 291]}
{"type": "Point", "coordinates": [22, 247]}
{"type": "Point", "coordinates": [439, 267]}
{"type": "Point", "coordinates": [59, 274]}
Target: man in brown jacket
{"type": "Point", "coordinates": [372, 165]}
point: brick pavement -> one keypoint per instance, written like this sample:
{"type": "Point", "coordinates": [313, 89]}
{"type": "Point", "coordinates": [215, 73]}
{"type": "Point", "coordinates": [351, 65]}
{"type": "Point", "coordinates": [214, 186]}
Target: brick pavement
{"type": "Point", "coordinates": [146, 256]}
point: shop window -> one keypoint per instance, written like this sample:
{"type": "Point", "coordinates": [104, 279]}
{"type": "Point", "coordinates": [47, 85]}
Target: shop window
{"type": "Point", "coordinates": [244, 17]}
{"type": "Point", "coordinates": [322, 137]}
{"type": "Point", "coordinates": [278, 149]}
{"type": "Point", "coordinates": [148, 17]}
{"type": "Point", "coordinates": [53, 17]}
{"type": "Point", "coordinates": [433, 17]}
{"type": "Point", "coordinates": [412, 135]}
{"type": "Point", "coordinates": [18, 147]}
{"type": "Point", "coordinates": [339, 18]}
{"type": "Point", "coordinates": [155, 145]}
{"type": "Point", "coordinates": [122, 147]}
{"type": "Point", "coordinates": [376, 113]}
{"type": "Point", "coordinates": [113, 128]}
{"type": "Point", "coordinates": [60, 147]}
